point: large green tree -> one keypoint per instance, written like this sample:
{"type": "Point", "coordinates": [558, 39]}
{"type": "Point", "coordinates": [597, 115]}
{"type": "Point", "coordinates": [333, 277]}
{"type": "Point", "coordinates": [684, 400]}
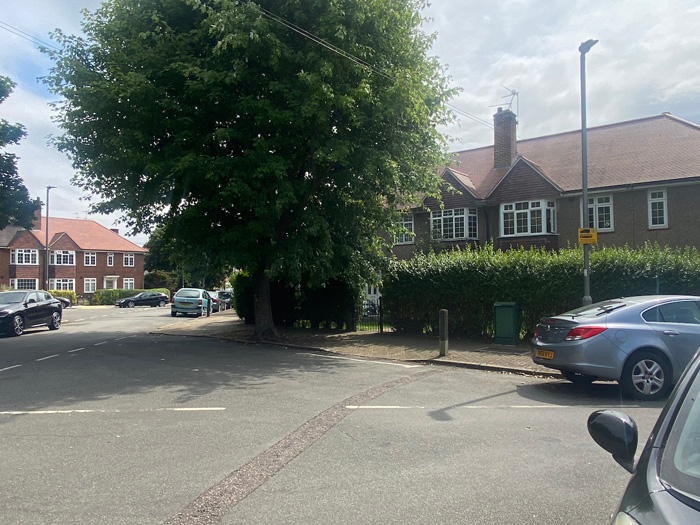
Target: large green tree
{"type": "Point", "coordinates": [280, 135]}
{"type": "Point", "coordinates": [16, 208]}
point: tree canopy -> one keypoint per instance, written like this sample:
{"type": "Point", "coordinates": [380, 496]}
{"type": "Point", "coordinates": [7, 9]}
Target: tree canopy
{"type": "Point", "coordinates": [16, 208]}
{"type": "Point", "coordinates": [279, 136]}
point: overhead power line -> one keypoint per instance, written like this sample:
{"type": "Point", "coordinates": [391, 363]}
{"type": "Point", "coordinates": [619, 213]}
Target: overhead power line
{"type": "Point", "coordinates": [18, 32]}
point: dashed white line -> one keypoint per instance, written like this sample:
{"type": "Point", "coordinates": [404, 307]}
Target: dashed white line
{"type": "Point", "coordinates": [101, 343]}
{"type": "Point", "coordinates": [9, 367]}
{"type": "Point", "coordinates": [102, 411]}
{"type": "Point", "coordinates": [47, 357]}
{"type": "Point", "coordinates": [76, 350]}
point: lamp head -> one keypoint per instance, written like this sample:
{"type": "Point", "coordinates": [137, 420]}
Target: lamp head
{"type": "Point", "coordinates": [586, 46]}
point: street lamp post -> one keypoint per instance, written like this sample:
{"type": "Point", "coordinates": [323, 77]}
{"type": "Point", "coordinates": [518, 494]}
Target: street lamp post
{"type": "Point", "coordinates": [46, 258]}
{"type": "Point", "coordinates": [584, 48]}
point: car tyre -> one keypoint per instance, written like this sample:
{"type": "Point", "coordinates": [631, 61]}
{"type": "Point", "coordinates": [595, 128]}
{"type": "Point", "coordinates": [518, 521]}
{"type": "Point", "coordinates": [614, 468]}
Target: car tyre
{"type": "Point", "coordinates": [646, 376]}
{"type": "Point", "coordinates": [173, 314]}
{"type": "Point", "coordinates": [55, 323]}
{"type": "Point", "coordinates": [130, 304]}
{"type": "Point", "coordinates": [17, 325]}
{"type": "Point", "coordinates": [578, 378]}
{"type": "Point", "coordinates": [161, 304]}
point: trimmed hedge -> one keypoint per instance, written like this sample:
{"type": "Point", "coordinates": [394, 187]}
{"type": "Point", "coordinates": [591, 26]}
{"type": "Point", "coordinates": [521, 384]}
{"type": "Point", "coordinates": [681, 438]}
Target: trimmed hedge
{"type": "Point", "coordinates": [68, 294]}
{"type": "Point", "coordinates": [468, 283]}
{"type": "Point", "coordinates": [111, 296]}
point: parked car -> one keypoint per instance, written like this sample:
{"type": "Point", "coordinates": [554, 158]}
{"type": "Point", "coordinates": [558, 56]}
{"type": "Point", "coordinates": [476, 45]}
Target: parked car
{"type": "Point", "coordinates": [65, 302]}
{"type": "Point", "coordinates": [191, 301]}
{"type": "Point", "coordinates": [665, 486]}
{"type": "Point", "coordinates": [20, 309]}
{"type": "Point", "coordinates": [143, 299]}
{"type": "Point", "coordinates": [643, 342]}
{"type": "Point", "coordinates": [214, 296]}
{"type": "Point", "coordinates": [225, 299]}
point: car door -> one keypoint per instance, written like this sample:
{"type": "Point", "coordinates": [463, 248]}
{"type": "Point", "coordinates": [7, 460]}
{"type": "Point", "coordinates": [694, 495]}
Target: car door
{"type": "Point", "coordinates": [678, 325]}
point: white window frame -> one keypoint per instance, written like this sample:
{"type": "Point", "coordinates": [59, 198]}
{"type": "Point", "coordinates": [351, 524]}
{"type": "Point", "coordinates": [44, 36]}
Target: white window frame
{"type": "Point", "coordinates": [654, 199]}
{"type": "Point", "coordinates": [90, 285]}
{"type": "Point", "coordinates": [24, 284]}
{"type": "Point", "coordinates": [90, 259]}
{"type": "Point", "coordinates": [62, 284]}
{"type": "Point", "coordinates": [128, 260]}
{"type": "Point", "coordinates": [62, 258]}
{"type": "Point", "coordinates": [597, 205]}
{"type": "Point", "coordinates": [408, 236]}
{"type": "Point", "coordinates": [454, 224]}
{"type": "Point", "coordinates": [129, 283]}
{"type": "Point", "coordinates": [110, 259]}
{"type": "Point", "coordinates": [528, 218]}
{"type": "Point", "coordinates": [24, 257]}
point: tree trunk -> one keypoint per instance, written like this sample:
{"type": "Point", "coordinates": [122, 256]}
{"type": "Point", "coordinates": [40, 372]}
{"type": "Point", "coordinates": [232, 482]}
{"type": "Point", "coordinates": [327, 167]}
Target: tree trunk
{"type": "Point", "coordinates": [264, 324]}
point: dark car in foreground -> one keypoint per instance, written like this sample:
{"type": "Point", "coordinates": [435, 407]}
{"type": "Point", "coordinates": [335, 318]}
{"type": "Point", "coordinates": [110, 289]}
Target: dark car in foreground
{"type": "Point", "coordinates": [21, 309]}
{"type": "Point", "coordinates": [143, 299]}
{"type": "Point", "coordinates": [642, 342]}
{"type": "Point", "coordinates": [665, 486]}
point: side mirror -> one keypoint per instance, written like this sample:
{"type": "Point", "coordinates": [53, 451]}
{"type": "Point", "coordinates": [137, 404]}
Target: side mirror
{"type": "Point", "coordinates": [617, 433]}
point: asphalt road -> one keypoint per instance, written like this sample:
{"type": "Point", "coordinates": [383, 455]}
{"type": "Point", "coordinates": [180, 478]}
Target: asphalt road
{"type": "Point", "coordinates": [103, 422]}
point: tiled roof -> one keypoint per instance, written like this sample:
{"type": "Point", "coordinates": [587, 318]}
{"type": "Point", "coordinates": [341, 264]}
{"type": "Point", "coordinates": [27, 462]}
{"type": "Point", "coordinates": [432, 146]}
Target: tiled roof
{"type": "Point", "coordinates": [662, 148]}
{"type": "Point", "coordinates": [88, 235]}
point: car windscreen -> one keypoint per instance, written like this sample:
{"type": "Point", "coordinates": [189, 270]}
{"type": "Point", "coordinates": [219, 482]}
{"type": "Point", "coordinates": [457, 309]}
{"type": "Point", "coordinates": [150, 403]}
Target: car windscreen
{"type": "Point", "coordinates": [11, 297]}
{"type": "Point", "coordinates": [680, 462]}
{"type": "Point", "coordinates": [593, 310]}
{"type": "Point", "coordinates": [188, 293]}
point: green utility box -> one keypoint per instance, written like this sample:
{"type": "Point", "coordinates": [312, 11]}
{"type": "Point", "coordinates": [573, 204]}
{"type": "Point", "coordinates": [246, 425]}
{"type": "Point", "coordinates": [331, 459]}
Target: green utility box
{"type": "Point", "coordinates": [506, 323]}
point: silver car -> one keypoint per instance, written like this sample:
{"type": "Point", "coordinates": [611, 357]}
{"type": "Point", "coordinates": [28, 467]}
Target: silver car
{"type": "Point", "coordinates": [643, 342]}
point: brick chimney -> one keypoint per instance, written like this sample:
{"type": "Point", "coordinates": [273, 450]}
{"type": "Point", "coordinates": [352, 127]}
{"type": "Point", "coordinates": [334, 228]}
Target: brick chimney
{"type": "Point", "coordinates": [36, 222]}
{"type": "Point", "coordinates": [505, 146]}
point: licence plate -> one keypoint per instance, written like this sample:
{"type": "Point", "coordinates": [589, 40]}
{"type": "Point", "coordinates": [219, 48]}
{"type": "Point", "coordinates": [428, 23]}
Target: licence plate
{"type": "Point", "coordinates": [545, 354]}
{"type": "Point", "coordinates": [186, 304]}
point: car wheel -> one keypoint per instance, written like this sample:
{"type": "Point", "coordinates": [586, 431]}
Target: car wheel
{"type": "Point", "coordinates": [55, 323]}
{"type": "Point", "coordinates": [162, 304]}
{"type": "Point", "coordinates": [130, 304]}
{"type": "Point", "coordinates": [646, 376]}
{"type": "Point", "coordinates": [173, 314]}
{"type": "Point", "coordinates": [17, 325]}
{"type": "Point", "coordinates": [577, 378]}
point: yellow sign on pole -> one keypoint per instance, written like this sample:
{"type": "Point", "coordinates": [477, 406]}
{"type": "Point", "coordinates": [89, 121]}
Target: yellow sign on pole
{"type": "Point", "coordinates": [587, 235]}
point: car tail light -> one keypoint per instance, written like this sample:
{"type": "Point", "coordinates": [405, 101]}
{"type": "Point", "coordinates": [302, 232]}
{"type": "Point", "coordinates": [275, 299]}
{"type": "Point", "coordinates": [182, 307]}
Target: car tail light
{"type": "Point", "coordinates": [199, 303]}
{"type": "Point", "coordinates": [584, 332]}
{"type": "Point", "coordinates": [536, 331]}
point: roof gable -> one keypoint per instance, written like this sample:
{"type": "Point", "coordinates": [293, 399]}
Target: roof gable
{"type": "Point", "coordinates": [87, 235]}
{"type": "Point", "coordinates": [661, 148]}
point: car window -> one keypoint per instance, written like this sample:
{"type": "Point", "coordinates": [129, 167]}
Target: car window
{"type": "Point", "coordinates": [680, 463]}
{"type": "Point", "coordinates": [188, 293]}
{"type": "Point", "coordinates": [686, 312]}
{"type": "Point", "coordinates": [32, 298]}
{"type": "Point", "coordinates": [11, 297]}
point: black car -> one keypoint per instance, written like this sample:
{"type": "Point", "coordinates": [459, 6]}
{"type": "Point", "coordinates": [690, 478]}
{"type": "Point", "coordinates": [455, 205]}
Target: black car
{"type": "Point", "coordinates": [20, 309]}
{"type": "Point", "coordinates": [144, 299]}
{"type": "Point", "coordinates": [665, 486]}
{"type": "Point", "coordinates": [64, 301]}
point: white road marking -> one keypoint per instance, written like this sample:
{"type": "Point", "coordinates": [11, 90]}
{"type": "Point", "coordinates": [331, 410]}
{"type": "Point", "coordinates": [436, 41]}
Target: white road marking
{"type": "Point", "coordinates": [101, 343]}
{"type": "Point", "coordinates": [9, 367]}
{"type": "Point", "coordinates": [76, 350]}
{"type": "Point", "coordinates": [47, 357]}
{"type": "Point", "coordinates": [343, 358]}
{"type": "Point", "coordinates": [483, 407]}
{"type": "Point", "coordinates": [388, 407]}
{"type": "Point", "coordinates": [100, 411]}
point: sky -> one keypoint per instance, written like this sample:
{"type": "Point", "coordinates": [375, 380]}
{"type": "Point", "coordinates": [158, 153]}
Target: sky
{"type": "Point", "coordinates": [647, 62]}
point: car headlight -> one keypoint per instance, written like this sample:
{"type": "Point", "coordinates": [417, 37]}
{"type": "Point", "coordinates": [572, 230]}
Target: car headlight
{"type": "Point", "coordinates": [624, 519]}
{"type": "Point", "coordinates": [3, 313]}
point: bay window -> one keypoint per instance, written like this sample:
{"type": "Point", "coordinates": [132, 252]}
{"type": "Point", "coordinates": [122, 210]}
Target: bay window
{"type": "Point", "coordinates": [528, 218]}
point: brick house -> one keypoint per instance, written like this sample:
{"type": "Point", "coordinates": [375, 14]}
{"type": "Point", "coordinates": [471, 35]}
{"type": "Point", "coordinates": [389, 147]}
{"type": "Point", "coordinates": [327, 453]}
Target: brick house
{"type": "Point", "coordinates": [643, 180]}
{"type": "Point", "coordinates": [84, 256]}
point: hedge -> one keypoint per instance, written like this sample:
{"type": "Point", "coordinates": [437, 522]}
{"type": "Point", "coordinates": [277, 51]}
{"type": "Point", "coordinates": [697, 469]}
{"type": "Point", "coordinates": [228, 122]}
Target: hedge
{"type": "Point", "coordinates": [468, 283]}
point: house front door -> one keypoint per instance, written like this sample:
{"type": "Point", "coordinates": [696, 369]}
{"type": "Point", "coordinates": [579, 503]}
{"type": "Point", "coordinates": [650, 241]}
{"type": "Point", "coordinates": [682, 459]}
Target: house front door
{"type": "Point", "coordinates": [110, 282]}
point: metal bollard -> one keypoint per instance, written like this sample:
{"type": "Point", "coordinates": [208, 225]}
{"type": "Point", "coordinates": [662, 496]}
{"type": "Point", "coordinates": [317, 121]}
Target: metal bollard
{"type": "Point", "coordinates": [443, 333]}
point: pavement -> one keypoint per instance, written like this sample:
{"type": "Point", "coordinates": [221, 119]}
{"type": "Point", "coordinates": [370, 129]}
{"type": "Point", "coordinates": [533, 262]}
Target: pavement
{"type": "Point", "coordinates": [388, 345]}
